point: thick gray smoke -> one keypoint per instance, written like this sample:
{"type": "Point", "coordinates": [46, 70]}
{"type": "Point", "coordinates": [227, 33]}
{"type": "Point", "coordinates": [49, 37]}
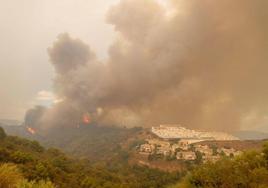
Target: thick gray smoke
{"type": "Point", "coordinates": [202, 64]}
{"type": "Point", "coordinates": [34, 116]}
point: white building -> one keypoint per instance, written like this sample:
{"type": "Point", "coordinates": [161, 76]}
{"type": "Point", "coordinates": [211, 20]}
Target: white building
{"type": "Point", "coordinates": [204, 149]}
{"type": "Point", "coordinates": [179, 132]}
{"type": "Point", "coordinates": [146, 148]}
{"type": "Point", "coordinates": [174, 147]}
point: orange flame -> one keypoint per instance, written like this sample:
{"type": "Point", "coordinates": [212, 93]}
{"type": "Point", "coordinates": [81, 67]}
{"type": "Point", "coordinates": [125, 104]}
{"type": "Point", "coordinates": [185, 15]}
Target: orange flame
{"type": "Point", "coordinates": [31, 130]}
{"type": "Point", "coordinates": [86, 119]}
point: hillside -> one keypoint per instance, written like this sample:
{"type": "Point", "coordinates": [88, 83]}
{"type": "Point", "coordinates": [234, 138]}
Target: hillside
{"type": "Point", "coordinates": [107, 145]}
{"type": "Point", "coordinates": [101, 156]}
{"type": "Point", "coordinates": [38, 163]}
{"type": "Point", "coordinates": [241, 145]}
{"type": "Point", "coordinates": [96, 143]}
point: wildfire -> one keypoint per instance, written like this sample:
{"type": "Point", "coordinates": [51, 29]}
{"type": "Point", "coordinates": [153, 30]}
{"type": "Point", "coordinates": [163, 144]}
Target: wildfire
{"type": "Point", "coordinates": [31, 130]}
{"type": "Point", "coordinates": [86, 119]}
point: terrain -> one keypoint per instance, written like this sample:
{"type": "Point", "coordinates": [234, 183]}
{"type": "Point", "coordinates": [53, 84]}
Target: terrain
{"type": "Point", "coordinates": [106, 145]}
{"type": "Point", "coordinates": [104, 157]}
{"type": "Point", "coordinates": [249, 170]}
{"type": "Point", "coordinates": [37, 163]}
{"type": "Point", "coordinates": [241, 145]}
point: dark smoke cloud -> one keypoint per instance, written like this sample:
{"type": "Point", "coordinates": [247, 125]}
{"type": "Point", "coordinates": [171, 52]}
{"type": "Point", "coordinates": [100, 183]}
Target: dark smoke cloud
{"type": "Point", "coordinates": [203, 65]}
{"type": "Point", "coordinates": [68, 54]}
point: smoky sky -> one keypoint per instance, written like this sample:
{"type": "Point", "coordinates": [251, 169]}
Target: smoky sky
{"type": "Point", "coordinates": [27, 28]}
{"type": "Point", "coordinates": [201, 64]}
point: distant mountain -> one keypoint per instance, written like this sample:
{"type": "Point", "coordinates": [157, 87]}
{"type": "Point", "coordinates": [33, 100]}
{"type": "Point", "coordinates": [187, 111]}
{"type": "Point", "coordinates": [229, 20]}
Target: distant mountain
{"type": "Point", "coordinates": [263, 128]}
{"type": "Point", "coordinates": [251, 135]}
{"type": "Point", "coordinates": [9, 122]}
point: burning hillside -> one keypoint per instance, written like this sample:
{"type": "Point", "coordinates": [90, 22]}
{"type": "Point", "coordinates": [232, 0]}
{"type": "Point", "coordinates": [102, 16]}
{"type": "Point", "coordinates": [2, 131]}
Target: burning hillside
{"type": "Point", "coordinates": [31, 130]}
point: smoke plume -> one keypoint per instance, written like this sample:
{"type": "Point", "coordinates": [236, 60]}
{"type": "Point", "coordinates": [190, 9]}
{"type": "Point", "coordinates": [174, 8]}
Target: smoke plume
{"type": "Point", "coordinates": [33, 117]}
{"type": "Point", "coordinates": [202, 64]}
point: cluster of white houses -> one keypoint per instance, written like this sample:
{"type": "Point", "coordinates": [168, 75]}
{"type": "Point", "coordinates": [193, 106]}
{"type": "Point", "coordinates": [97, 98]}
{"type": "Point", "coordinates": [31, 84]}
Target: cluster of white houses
{"type": "Point", "coordinates": [189, 145]}
{"type": "Point", "coordinates": [184, 149]}
{"type": "Point", "coordinates": [179, 132]}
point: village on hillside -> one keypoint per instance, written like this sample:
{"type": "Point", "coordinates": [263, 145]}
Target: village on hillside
{"type": "Point", "coordinates": [186, 146]}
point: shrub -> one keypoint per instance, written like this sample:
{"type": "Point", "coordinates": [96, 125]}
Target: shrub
{"type": "Point", "coordinates": [2, 134]}
{"type": "Point", "coordinates": [21, 157]}
{"type": "Point", "coordinates": [9, 176]}
{"type": "Point", "coordinates": [32, 184]}
{"type": "Point", "coordinates": [249, 170]}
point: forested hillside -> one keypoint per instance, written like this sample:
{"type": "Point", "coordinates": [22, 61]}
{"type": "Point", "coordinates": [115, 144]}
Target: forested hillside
{"type": "Point", "coordinates": [89, 141]}
{"type": "Point", "coordinates": [25, 163]}
{"type": "Point", "coordinates": [100, 159]}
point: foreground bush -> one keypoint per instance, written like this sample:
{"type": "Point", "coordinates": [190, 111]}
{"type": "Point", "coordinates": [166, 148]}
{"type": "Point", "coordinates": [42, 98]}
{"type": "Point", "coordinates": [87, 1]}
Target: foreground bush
{"type": "Point", "coordinates": [33, 184]}
{"type": "Point", "coordinates": [249, 170]}
{"type": "Point", "coordinates": [9, 176]}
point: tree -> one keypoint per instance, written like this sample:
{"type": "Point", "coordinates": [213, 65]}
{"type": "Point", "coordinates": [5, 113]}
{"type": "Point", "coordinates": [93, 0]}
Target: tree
{"type": "Point", "coordinates": [214, 149]}
{"type": "Point", "coordinates": [199, 157]}
{"type": "Point", "coordinates": [265, 151]}
{"type": "Point", "coordinates": [2, 133]}
{"type": "Point", "coordinates": [248, 170]}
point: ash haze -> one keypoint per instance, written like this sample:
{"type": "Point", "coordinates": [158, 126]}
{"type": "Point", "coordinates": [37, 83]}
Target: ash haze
{"type": "Point", "coordinates": [202, 64]}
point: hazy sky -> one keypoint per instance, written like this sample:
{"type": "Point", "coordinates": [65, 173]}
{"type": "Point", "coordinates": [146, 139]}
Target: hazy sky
{"type": "Point", "coordinates": [28, 28]}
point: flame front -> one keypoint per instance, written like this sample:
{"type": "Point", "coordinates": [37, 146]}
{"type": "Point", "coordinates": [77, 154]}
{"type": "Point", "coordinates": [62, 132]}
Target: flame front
{"type": "Point", "coordinates": [31, 130]}
{"type": "Point", "coordinates": [86, 118]}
